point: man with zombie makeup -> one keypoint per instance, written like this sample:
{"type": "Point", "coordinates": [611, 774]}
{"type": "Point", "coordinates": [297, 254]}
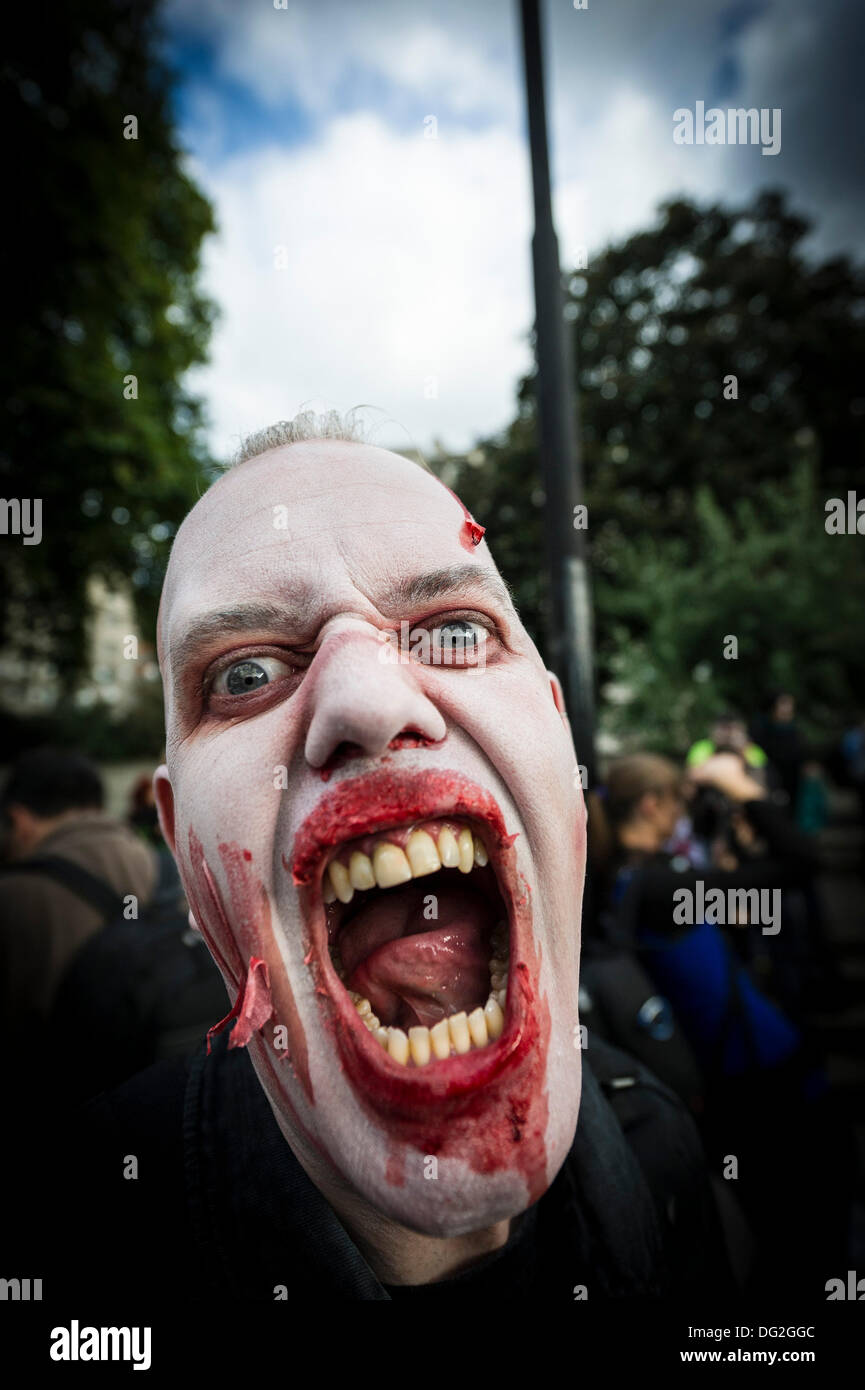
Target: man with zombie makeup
{"type": "Point", "coordinates": [383, 844]}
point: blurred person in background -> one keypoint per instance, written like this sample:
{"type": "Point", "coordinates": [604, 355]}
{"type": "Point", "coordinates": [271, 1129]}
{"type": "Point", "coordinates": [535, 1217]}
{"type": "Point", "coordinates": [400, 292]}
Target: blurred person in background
{"type": "Point", "coordinates": [776, 732]}
{"type": "Point", "coordinates": [765, 1096]}
{"type": "Point", "coordinates": [142, 988]}
{"type": "Point", "coordinates": [98, 959]}
{"type": "Point", "coordinates": [61, 847]}
{"type": "Point", "coordinates": [728, 734]}
{"type": "Point", "coordinates": [752, 843]}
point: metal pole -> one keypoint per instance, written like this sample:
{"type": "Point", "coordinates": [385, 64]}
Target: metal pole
{"type": "Point", "coordinates": [570, 637]}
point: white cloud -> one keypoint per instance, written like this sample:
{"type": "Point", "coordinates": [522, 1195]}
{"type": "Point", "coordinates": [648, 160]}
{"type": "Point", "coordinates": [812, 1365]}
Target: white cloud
{"type": "Point", "coordinates": [406, 260]}
{"type": "Point", "coordinates": [409, 259]}
{"type": "Point", "coordinates": [626, 162]}
{"type": "Point", "coordinates": [314, 52]}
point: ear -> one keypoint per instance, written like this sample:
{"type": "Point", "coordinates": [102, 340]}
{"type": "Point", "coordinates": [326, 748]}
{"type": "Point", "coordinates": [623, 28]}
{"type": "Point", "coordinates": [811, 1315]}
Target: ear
{"type": "Point", "coordinates": [558, 694]}
{"type": "Point", "coordinates": [164, 794]}
{"type": "Point", "coordinates": [559, 702]}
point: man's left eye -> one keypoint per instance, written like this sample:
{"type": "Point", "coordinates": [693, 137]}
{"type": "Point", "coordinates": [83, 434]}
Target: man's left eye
{"type": "Point", "coordinates": [459, 636]}
{"type": "Point", "coordinates": [243, 677]}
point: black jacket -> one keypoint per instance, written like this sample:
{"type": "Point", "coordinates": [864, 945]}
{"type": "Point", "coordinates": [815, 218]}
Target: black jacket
{"type": "Point", "coordinates": [221, 1208]}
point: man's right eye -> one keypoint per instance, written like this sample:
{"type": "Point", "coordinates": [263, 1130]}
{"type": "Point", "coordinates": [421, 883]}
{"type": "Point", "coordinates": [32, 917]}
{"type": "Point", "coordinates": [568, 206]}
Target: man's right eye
{"type": "Point", "coordinates": [244, 677]}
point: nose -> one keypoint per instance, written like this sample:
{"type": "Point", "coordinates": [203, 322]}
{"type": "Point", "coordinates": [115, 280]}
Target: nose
{"type": "Point", "coordinates": [366, 697]}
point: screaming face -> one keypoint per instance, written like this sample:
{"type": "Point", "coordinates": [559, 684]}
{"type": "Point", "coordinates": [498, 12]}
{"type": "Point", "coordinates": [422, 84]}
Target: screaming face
{"type": "Point", "coordinates": [385, 853]}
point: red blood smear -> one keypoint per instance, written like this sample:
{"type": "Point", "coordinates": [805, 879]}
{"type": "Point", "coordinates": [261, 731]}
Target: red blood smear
{"type": "Point", "coordinates": [257, 1006]}
{"type": "Point", "coordinates": [209, 912]}
{"type": "Point", "coordinates": [471, 533]}
{"type": "Point", "coordinates": [411, 741]}
{"type": "Point", "coordinates": [503, 1124]}
{"type": "Point", "coordinates": [251, 909]}
{"type": "Point", "coordinates": [252, 1008]}
{"type": "Point", "coordinates": [384, 799]}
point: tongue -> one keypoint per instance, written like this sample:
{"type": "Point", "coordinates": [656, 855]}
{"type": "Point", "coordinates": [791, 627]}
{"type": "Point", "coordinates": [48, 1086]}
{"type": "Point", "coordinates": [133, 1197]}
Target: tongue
{"type": "Point", "coordinates": [414, 970]}
{"type": "Point", "coordinates": [420, 979]}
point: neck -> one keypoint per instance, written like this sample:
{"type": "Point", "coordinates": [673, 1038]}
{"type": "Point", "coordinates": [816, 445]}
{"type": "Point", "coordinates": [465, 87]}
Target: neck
{"type": "Point", "coordinates": [28, 837]}
{"type": "Point", "coordinates": [397, 1255]}
{"type": "Point", "coordinates": [639, 835]}
{"type": "Point", "coordinates": [400, 1256]}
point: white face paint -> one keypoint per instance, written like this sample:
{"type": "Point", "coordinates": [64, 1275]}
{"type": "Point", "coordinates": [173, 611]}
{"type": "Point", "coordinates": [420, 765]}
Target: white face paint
{"type": "Point", "coordinates": [290, 733]}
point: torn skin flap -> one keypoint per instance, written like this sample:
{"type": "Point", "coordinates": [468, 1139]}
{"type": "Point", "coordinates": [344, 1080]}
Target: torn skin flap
{"type": "Point", "coordinates": [471, 534]}
{"type": "Point", "coordinates": [252, 1008]}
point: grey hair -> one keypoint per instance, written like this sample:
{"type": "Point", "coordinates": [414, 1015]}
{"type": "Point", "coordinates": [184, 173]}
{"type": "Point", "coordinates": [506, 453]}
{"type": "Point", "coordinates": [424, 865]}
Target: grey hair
{"type": "Point", "coordinates": [307, 425]}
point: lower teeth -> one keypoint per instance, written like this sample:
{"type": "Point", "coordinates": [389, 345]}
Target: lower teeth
{"type": "Point", "coordinates": [452, 1036]}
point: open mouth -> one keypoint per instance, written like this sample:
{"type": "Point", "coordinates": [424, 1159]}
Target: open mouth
{"type": "Point", "coordinates": [421, 941]}
{"type": "Point", "coordinates": [418, 936]}
{"type": "Point", "coordinates": [418, 931]}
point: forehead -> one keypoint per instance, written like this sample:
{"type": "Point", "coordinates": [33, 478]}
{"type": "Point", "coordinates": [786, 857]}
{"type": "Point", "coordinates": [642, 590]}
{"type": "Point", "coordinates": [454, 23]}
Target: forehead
{"type": "Point", "coordinates": [334, 517]}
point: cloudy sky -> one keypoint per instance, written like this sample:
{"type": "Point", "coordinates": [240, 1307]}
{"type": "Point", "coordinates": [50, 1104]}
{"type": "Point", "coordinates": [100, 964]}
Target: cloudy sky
{"type": "Point", "coordinates": [360, 261]}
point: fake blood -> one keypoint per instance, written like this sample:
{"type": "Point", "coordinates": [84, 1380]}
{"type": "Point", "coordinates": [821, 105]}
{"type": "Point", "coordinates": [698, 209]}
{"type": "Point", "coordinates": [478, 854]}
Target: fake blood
{"type": "Point", "coordinates": [252, 1008]}
{"type": "Point", "coordinates": [471, 534]}
{"type": "Point", "coordinates": [209, 913]}
{"type": "Point", "coordinates": [252, 929]}
{"type": "Point", "coordinates": [251, 909]}
{"type": "Point", "coordinates": [387, 798]}
{"type": "Point", "coordinates": [503, 1125]}
{"type": "Point", "coordinates": [490, 1110]}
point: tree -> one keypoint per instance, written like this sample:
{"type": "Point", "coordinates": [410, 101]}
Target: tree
{"type": "Point", "coordinates": [102, 316]}
{"type": "Point", "coordinates": [661, 323]}
{"type": "Point", "coordinates": [765, 599]}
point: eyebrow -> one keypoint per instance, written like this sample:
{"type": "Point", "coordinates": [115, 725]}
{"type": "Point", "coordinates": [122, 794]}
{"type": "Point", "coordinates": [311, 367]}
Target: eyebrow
{"type": "Point", "coordinates": [423, 587]}
{"type": "Point", "coordinates": [404, 594]}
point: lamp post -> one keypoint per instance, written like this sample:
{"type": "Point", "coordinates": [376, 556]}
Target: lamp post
{"type": "Point", "coordinates": [570, 636]}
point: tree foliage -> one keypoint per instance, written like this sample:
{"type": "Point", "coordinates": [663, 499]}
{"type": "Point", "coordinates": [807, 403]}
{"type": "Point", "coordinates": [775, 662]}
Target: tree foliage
{"type": "Point", "coordinates": [706, 514]}
{"type": "Point", "coordinates": [101, 285]}
{"type": "Point", "coordinates": [764, 573]}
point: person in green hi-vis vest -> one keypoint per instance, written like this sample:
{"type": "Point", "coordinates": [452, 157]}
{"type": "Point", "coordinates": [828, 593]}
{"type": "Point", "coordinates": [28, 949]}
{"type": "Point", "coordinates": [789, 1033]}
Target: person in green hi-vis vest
{"type": "Point", "coordinates": [728, 734]}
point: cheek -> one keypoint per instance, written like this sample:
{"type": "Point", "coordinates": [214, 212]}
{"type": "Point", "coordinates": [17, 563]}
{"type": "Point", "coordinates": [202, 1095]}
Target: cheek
{"type": "Point", "coordinates": [225, 789]}
{"type": "Point", "coordinates": [218, 803]}
{"type": "Point", "coordinates": [512, 718]}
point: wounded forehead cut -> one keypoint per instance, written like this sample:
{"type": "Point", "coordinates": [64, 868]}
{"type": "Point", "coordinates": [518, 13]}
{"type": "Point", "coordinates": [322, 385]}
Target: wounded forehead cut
{"type": "Point", "coordinates": [319, 449]}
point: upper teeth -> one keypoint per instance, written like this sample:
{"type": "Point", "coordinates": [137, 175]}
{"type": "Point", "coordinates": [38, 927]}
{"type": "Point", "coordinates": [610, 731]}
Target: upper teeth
{"type": "Point", "coordinates": [391, 865]}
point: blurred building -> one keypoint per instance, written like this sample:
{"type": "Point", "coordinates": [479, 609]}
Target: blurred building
{"type": "Point", "coordinates": [119, 661]}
